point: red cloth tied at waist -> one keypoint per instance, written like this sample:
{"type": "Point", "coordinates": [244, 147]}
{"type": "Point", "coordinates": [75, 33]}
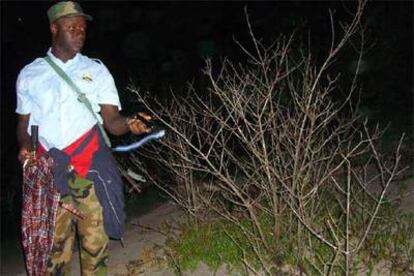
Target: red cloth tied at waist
{"type": "Point", "coordinates": [81, 162]}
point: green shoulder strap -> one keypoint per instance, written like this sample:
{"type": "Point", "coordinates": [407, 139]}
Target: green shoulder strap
{"type": "Point", "coordinates": [81, 96]}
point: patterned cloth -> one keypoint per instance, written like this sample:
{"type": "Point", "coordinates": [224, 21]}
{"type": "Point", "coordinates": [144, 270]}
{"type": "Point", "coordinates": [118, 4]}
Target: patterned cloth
{"type": "Point", "coordinates": [40, 204]}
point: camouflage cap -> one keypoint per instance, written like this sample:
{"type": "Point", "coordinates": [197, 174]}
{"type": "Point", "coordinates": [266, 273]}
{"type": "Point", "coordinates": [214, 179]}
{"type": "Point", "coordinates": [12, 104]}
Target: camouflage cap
{"type": "Point", "coordinates": [65, 9]}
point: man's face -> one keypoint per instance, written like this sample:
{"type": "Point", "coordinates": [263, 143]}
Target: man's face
{"type": "Point", "coordinates": [69, 34]}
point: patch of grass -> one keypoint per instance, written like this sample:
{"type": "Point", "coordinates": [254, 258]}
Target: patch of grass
{"type": "Point", "coordinates": [206, 243]}
{"type": "Point", "coordinates": [217, 244]}
{"type": "Point", "coordinates": [392, 241]}
{"type": "Point", "coordinates": [223, 243]}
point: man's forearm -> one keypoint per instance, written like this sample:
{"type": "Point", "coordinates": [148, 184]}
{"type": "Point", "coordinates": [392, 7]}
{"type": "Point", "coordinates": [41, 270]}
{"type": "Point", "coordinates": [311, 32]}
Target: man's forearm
{"type": "Point", "coordinates": [113, 121]}
{"type": "Point", "coordinates": [23, 138]}
{"type": "Point", "coordinates": [116, 125]}
{"type": "Point", "coordinates": [24, 141]}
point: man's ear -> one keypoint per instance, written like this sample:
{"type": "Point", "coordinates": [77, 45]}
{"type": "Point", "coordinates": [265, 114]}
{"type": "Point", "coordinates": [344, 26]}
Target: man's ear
{"type": "Point", "coordinates": [53, 28]}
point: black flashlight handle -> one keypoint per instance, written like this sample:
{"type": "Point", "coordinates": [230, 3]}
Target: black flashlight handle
{"type": "Point", "coordinates": [34, 137]}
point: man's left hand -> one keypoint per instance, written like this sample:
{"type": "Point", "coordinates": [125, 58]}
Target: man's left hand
{"type": "Point", "coordinates": [138, 126]}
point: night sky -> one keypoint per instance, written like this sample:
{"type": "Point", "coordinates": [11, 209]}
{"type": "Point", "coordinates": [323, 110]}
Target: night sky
{"type": "Point", "coordinates": [160, 46]}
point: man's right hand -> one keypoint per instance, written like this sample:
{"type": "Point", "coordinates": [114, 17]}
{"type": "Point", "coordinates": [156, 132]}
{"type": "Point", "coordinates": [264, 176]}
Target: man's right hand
{"type": "Point", "coordinates": [24, 154]}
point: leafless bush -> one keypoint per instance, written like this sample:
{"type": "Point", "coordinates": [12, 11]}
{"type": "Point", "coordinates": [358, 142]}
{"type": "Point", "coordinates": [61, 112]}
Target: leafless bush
{"type": "Point", "coordinates": [268, 139]}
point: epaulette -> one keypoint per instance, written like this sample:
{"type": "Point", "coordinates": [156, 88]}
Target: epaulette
{"type": "Point", "coordinates": [97, 60]}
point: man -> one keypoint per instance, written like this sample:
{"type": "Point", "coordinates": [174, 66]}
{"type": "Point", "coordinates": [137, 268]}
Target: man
{"type": "Point", "coordinates": [88, 182]}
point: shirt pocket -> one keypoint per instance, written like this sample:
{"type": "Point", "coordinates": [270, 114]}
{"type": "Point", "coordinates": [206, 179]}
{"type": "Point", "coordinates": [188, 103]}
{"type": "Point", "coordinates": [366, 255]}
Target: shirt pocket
{"type": "Point", "coordinates": [45, 99]}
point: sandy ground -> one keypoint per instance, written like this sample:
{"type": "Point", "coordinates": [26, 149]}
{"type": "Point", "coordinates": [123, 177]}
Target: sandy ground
{"type": "Point", "coordinates": [140, 237]}
{"type": "Point", "coordinates": [139, 240]}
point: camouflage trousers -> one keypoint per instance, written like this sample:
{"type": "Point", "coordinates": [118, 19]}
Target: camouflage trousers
{"type": "Point", "coordinates": [93, 241]}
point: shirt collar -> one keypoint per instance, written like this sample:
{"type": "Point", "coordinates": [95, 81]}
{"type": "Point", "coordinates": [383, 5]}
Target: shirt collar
{"type": "Point", "coordinates": [66, 64]}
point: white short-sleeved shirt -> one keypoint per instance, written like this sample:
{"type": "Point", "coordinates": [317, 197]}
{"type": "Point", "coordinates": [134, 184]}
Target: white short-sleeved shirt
{"type": "Point", "coordinates": [54, 106]}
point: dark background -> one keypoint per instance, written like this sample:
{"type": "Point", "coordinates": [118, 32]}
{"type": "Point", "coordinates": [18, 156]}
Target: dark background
{"type": "Point", "coordinates": [160, 46]}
